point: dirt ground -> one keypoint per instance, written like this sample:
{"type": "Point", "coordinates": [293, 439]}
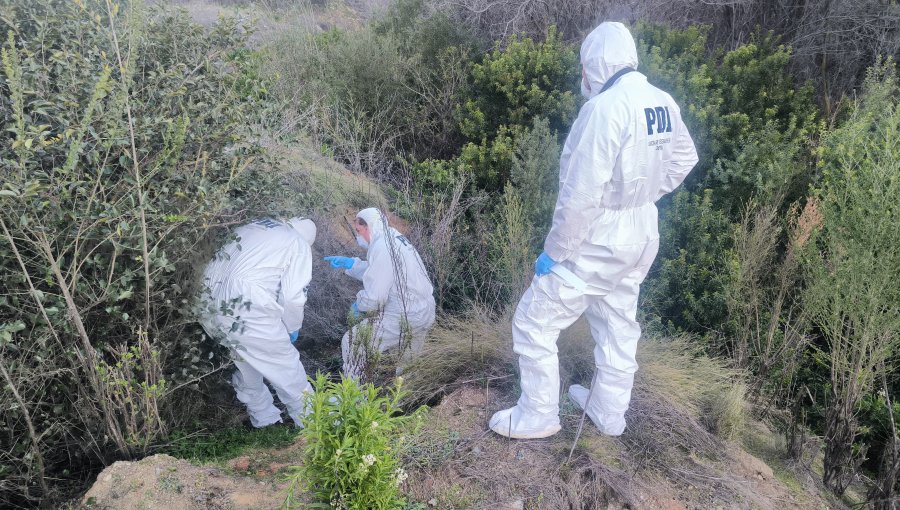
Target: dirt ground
{"type": "Point", "coordinates": [455, 462]}
{"type": "Point", "coordinates": [164, 482]}
{"type": "Point", "coordinates": [461, 464]}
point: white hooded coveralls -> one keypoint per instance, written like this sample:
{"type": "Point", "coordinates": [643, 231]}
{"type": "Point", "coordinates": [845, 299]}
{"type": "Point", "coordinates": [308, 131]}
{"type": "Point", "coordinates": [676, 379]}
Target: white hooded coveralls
{"type": "Point", "coordinates": [396, 285]}
{"type": "Point", "coordinates": [256, 292]}
{"type": "Point", "coordinates": [627, 148]}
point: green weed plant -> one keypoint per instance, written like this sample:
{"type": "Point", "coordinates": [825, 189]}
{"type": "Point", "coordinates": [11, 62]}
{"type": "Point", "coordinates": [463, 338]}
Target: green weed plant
{"type": "Point", "coordinates": [352, 437]}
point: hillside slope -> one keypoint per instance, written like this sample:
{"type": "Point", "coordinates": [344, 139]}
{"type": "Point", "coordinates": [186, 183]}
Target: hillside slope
{"type": "Point", "coordinates": [666, 459]}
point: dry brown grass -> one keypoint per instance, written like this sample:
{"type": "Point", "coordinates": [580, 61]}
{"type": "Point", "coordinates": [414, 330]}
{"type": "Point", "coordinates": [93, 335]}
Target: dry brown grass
{"type": "Point", "coordinates": [461, 351]}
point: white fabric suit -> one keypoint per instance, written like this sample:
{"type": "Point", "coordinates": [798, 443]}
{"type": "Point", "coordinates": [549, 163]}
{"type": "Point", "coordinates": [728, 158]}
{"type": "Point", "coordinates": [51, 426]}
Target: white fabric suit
{"type": "Point", "coordinates": [627, 148]}
{"type": "Point", "coordinates": [256, 292]}
{"type": "Point", "coordinates": [395, 283]}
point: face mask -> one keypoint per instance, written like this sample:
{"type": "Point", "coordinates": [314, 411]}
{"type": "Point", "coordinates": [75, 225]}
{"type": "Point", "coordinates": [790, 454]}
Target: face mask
{"type": "Point", "coordinates": [585, 89]}
{"type": "Point", "coordinates": [362, 242]}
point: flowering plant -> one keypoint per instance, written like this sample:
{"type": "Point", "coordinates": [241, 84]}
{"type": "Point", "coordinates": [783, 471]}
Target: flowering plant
{"type": "Point", "coordinates": [351, 435]}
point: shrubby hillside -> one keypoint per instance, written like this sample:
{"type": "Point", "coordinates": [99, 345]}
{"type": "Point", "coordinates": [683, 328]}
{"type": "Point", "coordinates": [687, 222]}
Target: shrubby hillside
{"type": "Point", "coordinates": [135, 136]}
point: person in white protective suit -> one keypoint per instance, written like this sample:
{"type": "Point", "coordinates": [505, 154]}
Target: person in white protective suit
{"type": "Point", "coordinates": [256, 291]}
{"type": "Point", "coordinates": [397, 294]}
{"type": "Point", "coordinates": [627, 148]}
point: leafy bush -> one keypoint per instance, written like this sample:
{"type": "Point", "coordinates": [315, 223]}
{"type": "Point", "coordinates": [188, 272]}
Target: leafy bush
{"type": "Point", "coordinates": [352, 434]}
{"type": "Point", "coordinates": [377, 93]}
{"type": "Point", "coordinates": [767, 330]}
{"type": "Point", "coordinates": [535, 176]}
{"type": "Point", "coordinates": [122, 147]}
{"type": "Point", "coordinates": [752, 127]}
{"type": "Point", "coordinates": [736, 105]}
{"type": "Point", "coordinates": [686, 287]}
{"type": "Point", "coordinates": [850, 260]}
{"type": "Point", "coordinates": [512, 87]}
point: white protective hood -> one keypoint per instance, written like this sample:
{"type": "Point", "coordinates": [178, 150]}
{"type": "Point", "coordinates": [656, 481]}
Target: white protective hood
{"type": "Point", "coordinates": [305, 227]}
{"type": "Point", "coordinates": [608, 49]}
{"type": "Point", "coordinates": [375, 220]}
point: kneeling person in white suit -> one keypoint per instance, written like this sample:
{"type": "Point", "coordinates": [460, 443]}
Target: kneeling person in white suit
{"type": "Point", "coordinates": [395, 285]}
{"type": "Point", "coordinates": [256, 291]}
{"type": "Point", "coordinates": [626, 150]}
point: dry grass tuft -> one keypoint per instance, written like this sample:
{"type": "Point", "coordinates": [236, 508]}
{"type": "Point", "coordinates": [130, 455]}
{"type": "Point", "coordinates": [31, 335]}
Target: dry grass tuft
{"type": "Point", "coordinates": [671, 406]}
{"type": "Point", "coordinates": [459, 351]}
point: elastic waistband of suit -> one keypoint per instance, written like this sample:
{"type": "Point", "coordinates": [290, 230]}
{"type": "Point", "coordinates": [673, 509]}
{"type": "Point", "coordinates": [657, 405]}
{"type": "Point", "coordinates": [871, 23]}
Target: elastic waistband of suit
{"type": "Point", "coordinates": [642, 207]}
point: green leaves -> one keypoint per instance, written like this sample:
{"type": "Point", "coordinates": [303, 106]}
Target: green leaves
{"type": "Point", "coordinates": [8, 330]}
{"type": "Point", "coordinates": [352, 434]}
{"type": "Point", "coordinates": [513, 86]}
{"type": "Point", "coordinates": [81, 212]}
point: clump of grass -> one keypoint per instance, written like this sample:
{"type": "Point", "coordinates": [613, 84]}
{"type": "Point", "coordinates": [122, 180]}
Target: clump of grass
{"type": "Point", "coordinates": [459, 351]}
{"type": "Point", "coordinates": [680, 399]}
{"type": "Point", "coordinates": [228, 443]}
{"type": "Point", "coordinates": [723, 411]}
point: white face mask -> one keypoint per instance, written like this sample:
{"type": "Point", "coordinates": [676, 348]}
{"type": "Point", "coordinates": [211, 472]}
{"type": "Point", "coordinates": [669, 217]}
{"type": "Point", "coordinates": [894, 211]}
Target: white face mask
{"type": "Point", "coordinates": [361, 241]}
{"type": "Point", "coordinates": [585, 89]}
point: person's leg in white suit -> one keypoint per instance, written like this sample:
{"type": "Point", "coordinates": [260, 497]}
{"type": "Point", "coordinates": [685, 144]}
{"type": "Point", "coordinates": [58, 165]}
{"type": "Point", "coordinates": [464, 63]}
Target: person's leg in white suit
{"type": "Point", "coordinates": [264, 351]}
{"type": "Point", "coordinates": [616, 332]}
{"type": "Point", "coordinates": [546, 308]}
{"type": "Point", "coordinates": [385, 335]}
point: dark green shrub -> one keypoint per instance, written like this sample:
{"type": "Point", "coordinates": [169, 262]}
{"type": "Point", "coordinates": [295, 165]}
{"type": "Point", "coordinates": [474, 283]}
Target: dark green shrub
{"type": "Point", "coordinates": [122, 146]}
{"type": "Point", "coordinates": [736, 106]}
{"type": "Point", "coordinates": [686, 286]}
{"type": "Point", "coordinates": [512, 86]}
{"type": "Point", "coordinates": [535, 177]}
{"type": "Point", "coordinates": [849, 261]}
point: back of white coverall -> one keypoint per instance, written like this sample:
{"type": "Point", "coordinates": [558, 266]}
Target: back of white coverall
{"type": "Point", "coordinates": [394, 282]}
{"type": "Point", "coordinates": [257, 289]}
{"type": "Point", "coordinates": [627, 148]}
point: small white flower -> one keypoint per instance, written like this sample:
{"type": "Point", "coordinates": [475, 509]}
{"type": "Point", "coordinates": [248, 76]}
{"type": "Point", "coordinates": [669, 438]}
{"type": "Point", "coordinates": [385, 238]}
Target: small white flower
{"type": "Point", "coordinates": [374, 425]}
{"type": "Point", "coordinates": [400, 475]}
{"type": "Point", "coordinates": [338, 452]}
{"type": "Point", "coordinates": [368, 460]}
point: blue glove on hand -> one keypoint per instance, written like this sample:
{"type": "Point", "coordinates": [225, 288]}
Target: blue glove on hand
{"type": "Point", "coordinates": [543, 264]}
{"type": "Point", "coordinates": [354, 310]}
{"type": "Point", "coordinates": [340, 262]}
{"type": "Point", "coordinates": [294, 336]}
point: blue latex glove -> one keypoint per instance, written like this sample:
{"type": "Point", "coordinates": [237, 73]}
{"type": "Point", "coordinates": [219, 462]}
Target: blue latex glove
{"type": "Point", "coordinates": [354, 310]}
{"type": "Point", "coordinates": [294, 336]}
{"type": "Point", "coordinates": [543, 264]}
{"type": "Point", "coordinates": [338, 262]}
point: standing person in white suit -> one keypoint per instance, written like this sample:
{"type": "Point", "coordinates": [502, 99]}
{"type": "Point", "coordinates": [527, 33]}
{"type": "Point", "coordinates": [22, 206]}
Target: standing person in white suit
{"type": "Point", "coordinates": [256, 291]}
{"type": "Point", "coordinates": [627, 149]}
{"type": "Point", "coordinates": [395, 287]}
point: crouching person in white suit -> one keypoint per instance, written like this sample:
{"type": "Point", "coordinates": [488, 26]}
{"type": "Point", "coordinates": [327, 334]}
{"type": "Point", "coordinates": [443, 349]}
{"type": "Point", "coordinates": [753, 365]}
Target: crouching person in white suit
{"type": "Point", "coordinates": [256, 291]}
{"type": "Point", "coordinates": [397, 294]}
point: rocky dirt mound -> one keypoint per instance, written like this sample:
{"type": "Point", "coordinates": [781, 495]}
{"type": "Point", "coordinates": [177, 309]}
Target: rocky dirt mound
{"type": "Point", "coordinates": [164, 482]}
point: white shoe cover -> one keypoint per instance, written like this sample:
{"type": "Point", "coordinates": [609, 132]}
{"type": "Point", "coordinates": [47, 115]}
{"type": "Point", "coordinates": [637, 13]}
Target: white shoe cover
{"type": "Point", "coordinates": [515, 424]}
{"type": "Point", "coordinates": [609, 424]}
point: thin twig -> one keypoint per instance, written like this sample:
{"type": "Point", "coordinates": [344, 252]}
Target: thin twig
{"type": "Point", "coordinates": [583, 415]}
{"type": "Point", "coordinates": [32, 433]}
{"type": "Point", "coordinates": [136, 165]}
